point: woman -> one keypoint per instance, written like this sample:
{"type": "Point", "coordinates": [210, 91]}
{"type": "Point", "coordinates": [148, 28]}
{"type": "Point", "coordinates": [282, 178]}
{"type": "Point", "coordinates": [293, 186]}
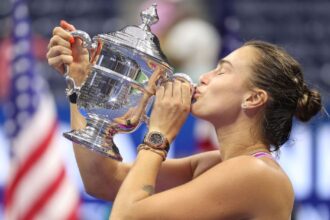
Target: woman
{"type": "Point", "coordinates": [250, 98]}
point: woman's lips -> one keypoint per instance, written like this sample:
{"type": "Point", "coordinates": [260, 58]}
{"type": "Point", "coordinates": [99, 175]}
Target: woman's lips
{"type": "Point", "coordinates": [196, 95]}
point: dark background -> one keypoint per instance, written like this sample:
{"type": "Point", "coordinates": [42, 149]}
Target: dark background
{"type": "Point", "coordinates": [302, 27]}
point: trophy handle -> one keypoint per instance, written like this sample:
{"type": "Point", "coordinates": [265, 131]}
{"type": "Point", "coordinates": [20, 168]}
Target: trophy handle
{"type": "Point", "coordinates": [86, 43]}
{"type": "Point", "coordinates": [71, 87]}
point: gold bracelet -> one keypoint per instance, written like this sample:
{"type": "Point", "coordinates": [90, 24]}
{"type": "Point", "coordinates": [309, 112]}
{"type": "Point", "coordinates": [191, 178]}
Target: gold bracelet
{"type": "Point", "coordinates": [160, 152]}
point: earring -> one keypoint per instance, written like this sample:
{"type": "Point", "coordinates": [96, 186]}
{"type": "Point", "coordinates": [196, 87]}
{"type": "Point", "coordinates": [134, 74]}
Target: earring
{"type": "Point", "coordinates": [244, 106]}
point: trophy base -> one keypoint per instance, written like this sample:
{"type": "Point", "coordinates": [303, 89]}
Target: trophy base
{"type": "Point", "coordinates": [94, 138]}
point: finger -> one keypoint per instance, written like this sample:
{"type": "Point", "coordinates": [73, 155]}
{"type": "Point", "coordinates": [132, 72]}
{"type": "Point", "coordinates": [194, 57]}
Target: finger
{"type": "Point", "coordinates": [168, 89]}
{"type": "Point", "coordinates": [57, 40]}
{"type": "Point", "coordinates": [152, 65]}
{"type": "Point", "coordinates": [57, 66]}
{"type": "Point", "coordinates": [186, 94]}
{"type": "Point", "coordinates": [58, 50]}
{"type": "Point", "coordinates": [158, 72]}
{"type": "Point", "coordinates": [128, 114]}
{"type": "Point", "coordinates": [177, 90]}
{"type": "Point", "coordinates": [160, 93]}
{"type": "Point", "coordinates": [60, 60]}
{"type": "Point", "coordinates": [61, 32]}
{"type": "Point", "coordinates": [67, 26]}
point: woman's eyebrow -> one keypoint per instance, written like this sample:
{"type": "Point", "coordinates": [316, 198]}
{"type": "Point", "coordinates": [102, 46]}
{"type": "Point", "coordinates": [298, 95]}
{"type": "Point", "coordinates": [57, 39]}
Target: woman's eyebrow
{"type": "Point", "coordinates": [222, 61]}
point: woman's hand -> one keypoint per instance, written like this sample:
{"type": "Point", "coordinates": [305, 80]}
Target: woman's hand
{"type": "Point", "coordinates": [171, 108]}
{"type": "Point", "coordinates": [63, 49]}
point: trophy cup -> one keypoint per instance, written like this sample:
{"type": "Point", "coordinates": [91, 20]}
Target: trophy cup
{"type": "Point", "coordinates": [125, 68]}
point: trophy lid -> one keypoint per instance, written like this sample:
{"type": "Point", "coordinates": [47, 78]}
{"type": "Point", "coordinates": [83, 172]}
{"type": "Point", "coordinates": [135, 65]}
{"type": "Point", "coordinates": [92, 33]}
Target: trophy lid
{"type": "Point", "coordinates": [140, 37]}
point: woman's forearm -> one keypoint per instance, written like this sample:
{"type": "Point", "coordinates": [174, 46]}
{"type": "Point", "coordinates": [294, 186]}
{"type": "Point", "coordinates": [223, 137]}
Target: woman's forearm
{"type": "Point", "coordinates": [76, 119]}
{"type": "Point", "coordinates": [138, 185]}
{"type": "Point", "coordinates": [171, 108]}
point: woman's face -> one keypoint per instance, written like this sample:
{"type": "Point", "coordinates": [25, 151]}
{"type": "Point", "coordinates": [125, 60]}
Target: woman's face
{"type": "Point", "coordinates": [221, 91]}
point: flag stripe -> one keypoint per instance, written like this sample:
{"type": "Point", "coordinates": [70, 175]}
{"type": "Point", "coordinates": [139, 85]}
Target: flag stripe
{"type": "Point", "coordinates": [73, 215]}
{"type": "Point", "coordinates": [38, 126]}
{"type": "Point", "coordinates": [63, 201]}
{"type": "Point", "coordinates": [205, 145]}
{"type": "Point", "coordinates": [51, 189]}
{"type": "Point", "coordinates": [38, 184]}
{"type": "Point", "coordinates": [38, 178]}
{"type": "Point", "coordinates": [28, 164]}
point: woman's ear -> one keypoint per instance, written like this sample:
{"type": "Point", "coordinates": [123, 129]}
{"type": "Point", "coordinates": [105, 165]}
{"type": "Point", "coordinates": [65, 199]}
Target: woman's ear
{"type": "Point", "coordinates": [254, 99]}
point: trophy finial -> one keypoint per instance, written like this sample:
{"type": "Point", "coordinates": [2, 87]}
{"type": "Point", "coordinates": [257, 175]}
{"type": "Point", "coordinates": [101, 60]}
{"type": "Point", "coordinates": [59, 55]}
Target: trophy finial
{"type": "Point", "coordinates": [149, 16]}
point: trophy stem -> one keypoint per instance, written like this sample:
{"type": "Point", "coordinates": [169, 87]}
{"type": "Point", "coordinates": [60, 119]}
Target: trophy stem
{"type": "Point", "coordinates": [96, 137]}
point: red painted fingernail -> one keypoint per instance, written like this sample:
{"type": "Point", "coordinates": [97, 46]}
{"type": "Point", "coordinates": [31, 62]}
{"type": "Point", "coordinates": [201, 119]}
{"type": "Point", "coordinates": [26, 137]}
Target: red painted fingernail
{"type": "Point", "coordinates": [71, 40]}
{"type": "Point", "coordinates": [152, 65]}
{"type": "Point", "coordinates": [64, 24]}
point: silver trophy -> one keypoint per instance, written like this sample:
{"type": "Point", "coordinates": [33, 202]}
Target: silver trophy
{"type": "Point", "coordinates": [126, 67]}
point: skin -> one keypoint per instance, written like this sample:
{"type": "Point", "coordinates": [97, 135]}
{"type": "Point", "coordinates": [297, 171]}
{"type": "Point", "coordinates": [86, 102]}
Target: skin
{"type": "Point", "coordinates": [223, 184]}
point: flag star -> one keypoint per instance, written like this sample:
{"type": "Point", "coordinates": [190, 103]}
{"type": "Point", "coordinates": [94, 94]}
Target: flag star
{"type": "Point", "coordinates": [22, 65]}
{"type": "Point", "coordinates": [22, 83]}
{"type": "Point", "coordinates": [22, 47]}
{"type": "Point", "coordinates": [39, 83]}
{"type": "Point", "coordinates": [22, 29]}
{"type": "Point", "coordinates": [10, 127]}
{"type": "Point", "coordinates": [21, 12]}
{"type": "Point", "coordinates": [22, 101]}
{"type": "Point", "coordinates": [22, 117]}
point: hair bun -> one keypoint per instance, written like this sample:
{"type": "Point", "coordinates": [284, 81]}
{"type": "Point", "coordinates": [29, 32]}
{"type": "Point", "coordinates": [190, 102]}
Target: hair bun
{"type": "Point", "coordinates": [309, 104]}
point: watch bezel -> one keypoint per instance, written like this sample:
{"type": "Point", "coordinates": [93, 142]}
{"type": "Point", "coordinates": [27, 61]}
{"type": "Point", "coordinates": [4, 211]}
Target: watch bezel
{"type": "Point", "coordinates": [163, 144]}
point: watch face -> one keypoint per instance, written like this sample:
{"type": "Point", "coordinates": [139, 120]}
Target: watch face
{"type": "Point", "coordinates": [156, 138]}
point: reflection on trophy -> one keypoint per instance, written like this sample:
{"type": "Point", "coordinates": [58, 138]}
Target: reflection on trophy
{"type": "Point", "coordinates": [126, 68]}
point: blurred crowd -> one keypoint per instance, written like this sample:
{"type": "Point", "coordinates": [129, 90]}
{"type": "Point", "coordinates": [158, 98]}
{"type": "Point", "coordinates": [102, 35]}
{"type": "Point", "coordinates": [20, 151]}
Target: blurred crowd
{"type": "Point", "coordinates": [193, 34]}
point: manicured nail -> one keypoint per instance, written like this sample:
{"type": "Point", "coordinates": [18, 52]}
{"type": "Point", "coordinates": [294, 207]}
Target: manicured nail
{"type": "Point", "coordinates": [152, 65]}
{"type": "Point", "coordinates": [63, 23]}
{"type": "Point", "coordinates": [71, 40]}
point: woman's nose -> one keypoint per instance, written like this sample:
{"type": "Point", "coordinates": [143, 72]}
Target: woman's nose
{"type": "Point", "coordinates": [204, 78]}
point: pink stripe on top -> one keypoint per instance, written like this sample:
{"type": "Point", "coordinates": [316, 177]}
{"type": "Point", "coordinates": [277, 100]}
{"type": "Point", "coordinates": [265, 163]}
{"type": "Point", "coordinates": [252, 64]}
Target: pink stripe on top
{"type": "Point", "coordinates": [262, 154]}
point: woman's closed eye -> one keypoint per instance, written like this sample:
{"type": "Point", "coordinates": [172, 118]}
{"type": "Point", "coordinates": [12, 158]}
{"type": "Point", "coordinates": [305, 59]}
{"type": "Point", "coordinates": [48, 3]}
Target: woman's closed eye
{"type": "Point", "coordinates": [219, 70]}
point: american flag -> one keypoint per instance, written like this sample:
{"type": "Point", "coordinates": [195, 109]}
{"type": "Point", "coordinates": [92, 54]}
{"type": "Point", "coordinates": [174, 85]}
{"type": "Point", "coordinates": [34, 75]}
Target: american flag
{"type": "Point", "coordinates": [38, 186]}
{"type": "Point", "coordinates": [205, 135]}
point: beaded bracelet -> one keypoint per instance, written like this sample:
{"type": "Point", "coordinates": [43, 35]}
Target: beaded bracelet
{"type": "Point", "coordinates": [160, 152]}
